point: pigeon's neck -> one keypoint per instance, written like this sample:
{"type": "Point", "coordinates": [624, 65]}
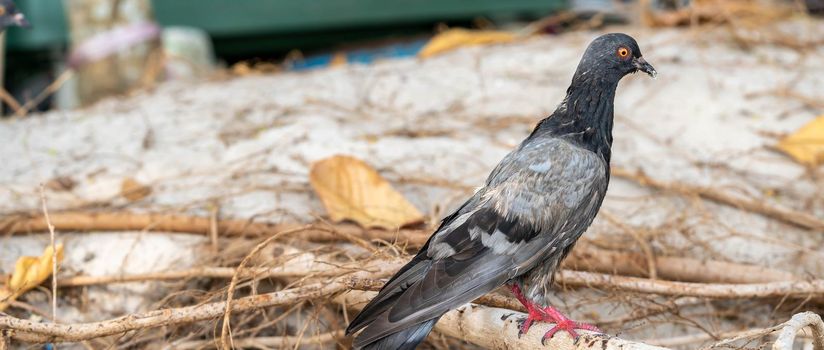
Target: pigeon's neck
{"type": "Point", "coordinates": [585, 116]}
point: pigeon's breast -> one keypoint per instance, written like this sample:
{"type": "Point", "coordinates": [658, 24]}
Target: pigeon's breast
{"type": "Point", "coordinates": [547, 182]}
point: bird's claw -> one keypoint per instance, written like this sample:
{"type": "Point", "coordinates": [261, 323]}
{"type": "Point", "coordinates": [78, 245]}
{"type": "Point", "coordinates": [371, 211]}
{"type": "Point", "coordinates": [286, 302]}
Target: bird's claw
{"type": "Point", "coordinates": [552, 315]}
{"type": "Point", "coordinates": [570, 327]}
{"type": "Point", "coordinates": [526, 323]}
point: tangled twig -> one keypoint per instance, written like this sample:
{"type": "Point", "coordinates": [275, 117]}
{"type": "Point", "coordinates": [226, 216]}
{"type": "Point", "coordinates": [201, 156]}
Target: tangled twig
{"type": "Point", "coordinates": [585, 257]}
{"type": "Point", "coordinates": [32, 331]}
{"type": "Point", "coordinates": [797, 289]}
{"type": "Point", "coordinates": [54, 253]}
{"type": "Point", "coordinates": [317, 270]}
{"type": "Point", "coordinates": [365, 281]}
{"type": "Point", "coordinates": [761, 207]}
{"type": "Point", "coordinates": [224, 333]}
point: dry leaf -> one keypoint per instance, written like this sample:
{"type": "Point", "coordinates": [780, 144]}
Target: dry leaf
{"type": "Point", "coordinates": [806, 145]}
{"type": "Point", "coordinates": [338, 59]}
{"type": "Point", "coordinates": [455, 38]}
{"type": "Point", "coordinates": [241, 68]}
{"type": "Point", "coordinates": [133, 190]}
{"type": "Point", "coordinates": [351, 189]}
{"type": "Point", "coordinates": [29, 272]}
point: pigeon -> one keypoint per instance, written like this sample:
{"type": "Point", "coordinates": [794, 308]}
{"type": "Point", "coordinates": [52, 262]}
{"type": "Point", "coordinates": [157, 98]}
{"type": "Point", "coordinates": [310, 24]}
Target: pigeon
{"type": "Point", "coordinates": [516, 229]}
{"type": "Point", "coordinates": [10, 16]}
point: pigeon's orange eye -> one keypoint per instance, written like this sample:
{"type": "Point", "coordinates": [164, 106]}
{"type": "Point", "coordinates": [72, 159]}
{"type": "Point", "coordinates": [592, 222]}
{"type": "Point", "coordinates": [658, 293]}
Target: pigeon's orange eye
{"type": "Point", "coordinates": [2, 10]}
{"type": "Point", "coordinates": [623, 52]}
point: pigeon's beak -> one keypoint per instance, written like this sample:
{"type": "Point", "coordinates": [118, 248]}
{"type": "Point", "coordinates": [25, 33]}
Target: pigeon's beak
{"type": "Point", "coordinates": [21, 20]}
{"type": "Point", "coordinates": [642, 65]}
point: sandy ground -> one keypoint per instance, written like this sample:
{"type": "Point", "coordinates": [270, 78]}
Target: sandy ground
{"type": "Point", "coordinates": [436, 128]}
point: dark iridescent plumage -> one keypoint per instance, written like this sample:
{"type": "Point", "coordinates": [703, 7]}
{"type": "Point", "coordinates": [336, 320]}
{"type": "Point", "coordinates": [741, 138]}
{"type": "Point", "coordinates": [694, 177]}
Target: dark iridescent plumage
{"type": "Point", "coordinates": [516, 229]}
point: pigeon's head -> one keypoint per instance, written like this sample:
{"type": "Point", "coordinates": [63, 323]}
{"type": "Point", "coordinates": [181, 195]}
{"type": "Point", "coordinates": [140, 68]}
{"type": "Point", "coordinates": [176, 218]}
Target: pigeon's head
{"type": "Point", "coordinates": [613, 56]}
{"type": "Point", "coordinates": [10, 16]}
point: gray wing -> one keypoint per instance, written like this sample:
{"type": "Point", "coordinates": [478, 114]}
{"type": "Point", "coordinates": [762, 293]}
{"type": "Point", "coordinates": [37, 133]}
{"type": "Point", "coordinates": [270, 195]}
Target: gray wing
{"type": "Point", "coordinates": [536, 193]}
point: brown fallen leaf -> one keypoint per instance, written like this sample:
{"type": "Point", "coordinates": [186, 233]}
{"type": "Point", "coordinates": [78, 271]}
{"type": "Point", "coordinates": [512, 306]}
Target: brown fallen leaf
{"type": "Point", "coordinates": [133, 190]}
{"type": "Point", "coordinates": [806, 145]}
{"type": "Point", "coordinates": [338, 59]}
{"type": "Point", "coordinates": [351, 189]}
{"type": "Point", "coordinates": [454, 38]}
{"type": "Point", "coordinates": [29, 272]}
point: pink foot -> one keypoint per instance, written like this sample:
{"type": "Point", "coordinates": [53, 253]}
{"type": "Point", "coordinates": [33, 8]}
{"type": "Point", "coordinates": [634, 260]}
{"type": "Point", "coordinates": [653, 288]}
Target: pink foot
{"type": "Point", "coordinates": [533, 312]}
{"type": "Point", "coordinates": [548, 314]}
{"type": "Point", "coordinates": [562, 323]}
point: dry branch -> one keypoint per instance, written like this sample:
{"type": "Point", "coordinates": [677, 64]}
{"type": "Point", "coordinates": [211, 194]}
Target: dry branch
{"type": "Point", "coordinates": [54, 253]}
{"type": "Point", "coordinates": [795, 289]}
{"type": "Point", "coordinates": [225, 338]}
{"type": "Point", "coordinates": [125, 221]}
{"type": "Point", "coordinates": [795, 324]}
{"type": "Point", "coordinates": [30, 331]}
{"type": "Point", "coordinates": [758, 206]}
{"type": "Point", "coordinates": [15, 106]}
{"type": "Point", "coordinates": [584, 257]}
{"type": "Point", "coordinates": [784, 341]}
{"type": "Point", "coordinates": [494, 328]}
{"type": "Point", "coordinates": [317, 270]}
{"type": "Point", "coordinates": [787, 289]}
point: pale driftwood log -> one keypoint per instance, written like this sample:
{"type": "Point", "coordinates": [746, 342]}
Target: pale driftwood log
{"type": "Point", "coordinates": [494, 328]}
{"type": "Point", "coordinates": [786, 338]}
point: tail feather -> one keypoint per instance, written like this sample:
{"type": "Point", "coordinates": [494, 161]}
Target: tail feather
{"type": "Point", "coordinates": [406, 339]}
{"type": "Point", "coordinates": [412, 272]}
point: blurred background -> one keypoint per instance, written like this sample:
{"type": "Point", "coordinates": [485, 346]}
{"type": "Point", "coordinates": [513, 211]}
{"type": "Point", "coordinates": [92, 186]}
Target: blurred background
{"type": "Point", "coordinates": [172, 141]}
{"type": "Point", "coordinates": [153, 41]}
{"type": "Point", "coordinates": [195, 37]}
